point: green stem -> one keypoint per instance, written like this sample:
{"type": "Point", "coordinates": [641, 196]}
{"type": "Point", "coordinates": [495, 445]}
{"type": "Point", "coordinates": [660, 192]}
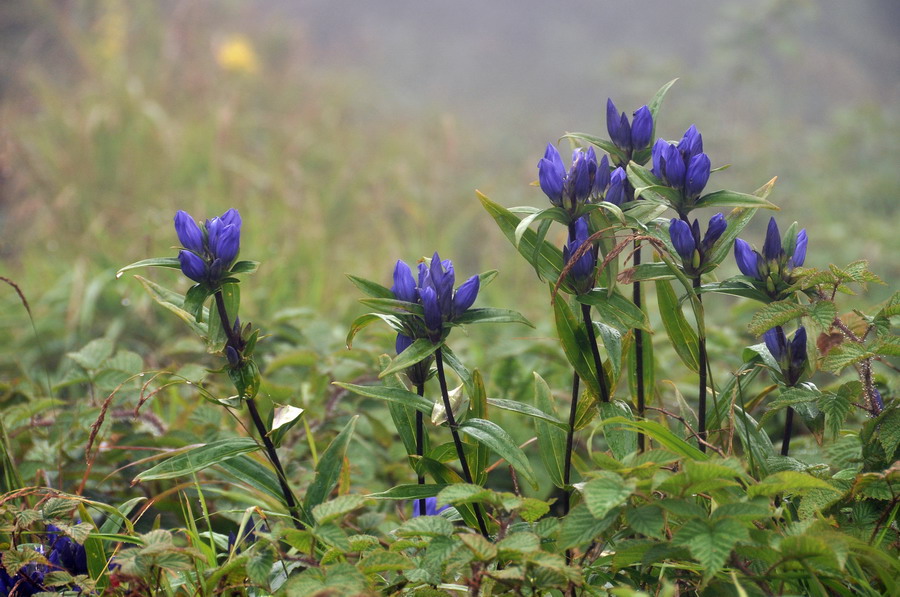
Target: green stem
{"type": "Point", "coordinates": [420, 444]}
{"type": "Point", "coordinates": [638, 346]}
{"type": "Point", "coordinates": [293, 507]}
{"type": "Point", "coordinates": [701, 398]}
{"type": "Point", "coordinates": [451, 422]}
{"type": "Point", "coordinates": [595, 351]}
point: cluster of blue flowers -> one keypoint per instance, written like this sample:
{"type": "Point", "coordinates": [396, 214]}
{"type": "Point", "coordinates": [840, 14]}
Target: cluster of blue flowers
{"type": "Point", "coordinates": [683, 165]}
{"type": "Point", "coordinates": [63, 553]}
{"type": "Point", "coordinates": [771, 270]}
{"type": "Point", "coordinates": [586, 180]}
{"type": "Point", "coordinates": [582, 273]}
{"type": "Point", "coordinates": [686, 240]}
{"type": "Point", "coordinates": [790, 355]}
{"type": "Point", "coordinates": [629, 137]}
{"type": "Point", "coordinates": [209, 249]}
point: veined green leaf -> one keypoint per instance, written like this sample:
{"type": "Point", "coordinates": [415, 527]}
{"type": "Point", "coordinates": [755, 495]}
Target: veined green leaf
{"type": "Point", "coordinates": [392, 306]}
{"type": "Point", "coordinates": [657, 432]}
{"type": "Point", "coordinates": [494, 437]}
{"type": "Point", "coordinates": [615, 310]}
{"type": "Point", "coordinates": [174, 302]}
{"type": "Point", "coordinates": [329, 467]}
{"type": "Point", "coordinates": [169, 262]}
{"type": "Point", "coordinates": [557, 214]}
{"type": "Point", "coordinates": [391, 394]}
{"type": "Point", "coordinates": [190, 459]}
{"type": "Point", "coordinates": [551, 440]}
{"type": "Point", "coordinates": [684, 339]}
{"type": "Point", "coordinates": [725, 198]}
{"type": "Point", "coordinates": [368, 319]}
{"type": "Point", "coordinates": [415, 352]}
{"type": "Point", "coordinates": [575, 344]}
{"type": "Point", "coordinates": [492, 315]}
{"type": "Point", "coordinates": [409, 492]}
{"type": "Point", "coordinates": [371, 288]}
{"type": "Point", "coordinates": [527, 410]}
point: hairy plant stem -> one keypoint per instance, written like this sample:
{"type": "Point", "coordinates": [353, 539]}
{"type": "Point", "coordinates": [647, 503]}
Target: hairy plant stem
{"type": "Point", "coordinates": [420, 444]}
{"type": "Point", "coordinates": [293, 507]}
{"type": "Point", "coordinates": [595, 351]}
{"type": "Point", "coordinates": [701, 391]}
{"type": "Point", "coordinates": [451, 422]}
{"type": "Point", "coordinates": [638, 346]}
{"type": "Point", "coordinates": [788, 428]}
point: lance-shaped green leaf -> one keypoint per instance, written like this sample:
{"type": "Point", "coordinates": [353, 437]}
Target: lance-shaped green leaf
{"type": "Point", "coordinates": [231, 293]}
{"type": "Point", "coordinates": [169, 262]}
{"type": "Point", "coordinates": [556, 214]}
{"type": "Point", "coordinates": [392, 306]}
{"type": "Point", "coordinates": [244, 267]}
{"type": "Point", "coordinates": [648, 187]}
{"type": "Point", "coordinates": [494, 437]}
{"type": "Point", "coordinates": [409, 491]}
{"type": "Point", "coordinates": [683, 337]}
{"type": "Point", "coordinates": [543, 256]}
{"type": "Point", "coordinates": [622, 440]}
{"type": "Point", "coordinates": [639, 213]}
{"type": "Point", "coordinates": [391, 394]}
{"type": "Point", "coordinates": [245, 469]}
{"type": "Point", "coordinates": [737, 286]}
{"type": "Point", "coordinates": [195, 458]}
{"type": "Point", "coordinates": [615, 310]}
{"type": "Point", "coordinates": [725, 198]}
{"type": "Point", "coordinates": [527, 410]}
{"type": "Point", "coordinates": [368, 319]}
{"type": "Point", "coordinates": [373, 289]}
{"type": "Point", "coordinates": [329, 468]}
{"type": "Point", "coordinates": [657, 432]}
{"type": "Point", "coordinates": [551, 439]}
{"type": "Point", "coordinates": [646, 272]}
{"type": "Point", "coordinates": [491, 315]}
{"type": "Point", "coordinates": [575, 344]}
{"type": "Point", "coordinates": [174, 302]}
{"type": "Point", "coordinates": [416, 352]}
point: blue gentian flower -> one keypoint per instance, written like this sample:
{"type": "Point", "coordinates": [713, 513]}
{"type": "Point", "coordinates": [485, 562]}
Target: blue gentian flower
{"type": "Point", "coordinates": [772, 269]}
{"type": "Point", "coordinates": [682, 166]}
{"type": "Point", "coordinates": [615, 192]}
{"type": "Point", "coordinates": [582, 272]}
{"type": "Point", "coordinates": [66, 553]}
{"type": "Point", "coordinates": [877, 402]}
{"type": "Point", "coordinates": [571, 189]}
{"type": "Point", "coordinates": [209, 250]}
{"type": "Point", "coordinates": [629, 137]}
{"type": "Point", "coordinates": [686, 240]}
{"type": "Point", "coordinates": [431, 508]}
{"type": "Point", "coordinates": [791, 356]}
{"type": "Point", "coordinates": [434, 291]}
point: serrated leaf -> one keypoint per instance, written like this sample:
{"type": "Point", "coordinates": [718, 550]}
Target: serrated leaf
{"type": "Point", "coordinates": [259, 566]}
{"type": "Point", "coordinates": [889, 432]}
{"type": "Point", "coordinates": [580, 527]}
{"type": "Point", "coordinates": [338, 507]}
{"type": "Point", "coordinates": [822, 313]}
{"type": "Point", "coordinates": [710, 542]}
{"type": "Point", "coordinates": [518, 543]}
{"type": "Point", "coordinates": [533, 509]}
{"type": "Point", "coordinates": [383, 561]}
{"type": "Point", "coordinates": [844, 355]}
{"type": "Point", "coordinates": [93, 354]}
{"type": "Point", "coordinates": [494, 437]}
{"type": "Point", "coordinates": [425, 526]}
{"type": "Point", "coordinates": [481, 548]}
{"type": "Point", "coordinates": [332, 535]}
{"type": "Point", "coordinates": [775, 314]}
{"type": "Point", "coordinates": [15, 559]}
{"type": "Point", "coordinates": [837, 406]}
{"type": "Point", "coordinates": [789, 482]}
{"type": "Point", "coordinates": [605, 493]}
{"type": "Point", "coordinates": [647, 520]}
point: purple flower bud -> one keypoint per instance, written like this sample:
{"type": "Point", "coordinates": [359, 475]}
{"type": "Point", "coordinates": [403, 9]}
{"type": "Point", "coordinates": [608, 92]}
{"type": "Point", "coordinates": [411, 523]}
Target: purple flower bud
{"type": "Point", "coordinates": [799, 255]}
{"type": "Point", "coordinates": [776, 342]}
{"type": "Point", "coordinates": [227, 244]}
{"type": "Point", "coordinates": [717, 226]}
{"type": "Point", "coordinates": [877, 402]}
{"type": "Point", "coordinates": [192, 266]}
{"type": "Point", "coordinates": [601, 179]}
{"type": "Point", "coordinates": [583, 270]}
{"type": "Point", "coordinates": [551, 174]}
{"type": "Point", "coordinates": [234, 359]}
{"type": "Point", "coordinates": [404, 287]}
{"type": "Point", "coordinates": [616, 191]}
{"type": "Point", "coordinates": [682, 238]}
{"type": "Point", "coordinates": [691, 143]}
{"type": "Point", "coordinates": [403, 342]}
{"type": "Point", "coordinates": [433, 319]}
{"type": "Point", "coordinates": [772, 247]}
{"type": "Point", "coordinates": [697, 175]}
{"type": "Point", "coordinates": [189, 234]}
{"type": "Point", "coordinates": [581, 175]}
{"type": "Point", "coordinates": [658, 154]}
{"type": "Point", "coordinates": [674, 167]}
{"type": "Point", "coordinates": [465, 295]}
{"type": "Point", "coordinates": [798, 349]}
{"type": "Point", "coordinates": [747, 259]}
{"type": "Point", "coordinates": [231, 218]}
{"type": "Point", "coordinates": [641, 128]}
{"type": "Point", "coordinates": [618, 127]}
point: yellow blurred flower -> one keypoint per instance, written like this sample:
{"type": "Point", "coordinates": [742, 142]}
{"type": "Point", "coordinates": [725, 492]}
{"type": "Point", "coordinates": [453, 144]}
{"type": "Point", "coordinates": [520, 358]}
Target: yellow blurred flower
{"type": "Point", "coordinates": [236, 54]}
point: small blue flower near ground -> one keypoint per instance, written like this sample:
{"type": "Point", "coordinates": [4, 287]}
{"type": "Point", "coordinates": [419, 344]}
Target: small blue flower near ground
{"type": "Point", "coordinates": [791, 355]}
{"type": "Point", "coordinates": [686, 240]}
{"type": "Point", "coordinates": [431, 508]}
{"type": "Point", "coordinates": [209, 250]}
